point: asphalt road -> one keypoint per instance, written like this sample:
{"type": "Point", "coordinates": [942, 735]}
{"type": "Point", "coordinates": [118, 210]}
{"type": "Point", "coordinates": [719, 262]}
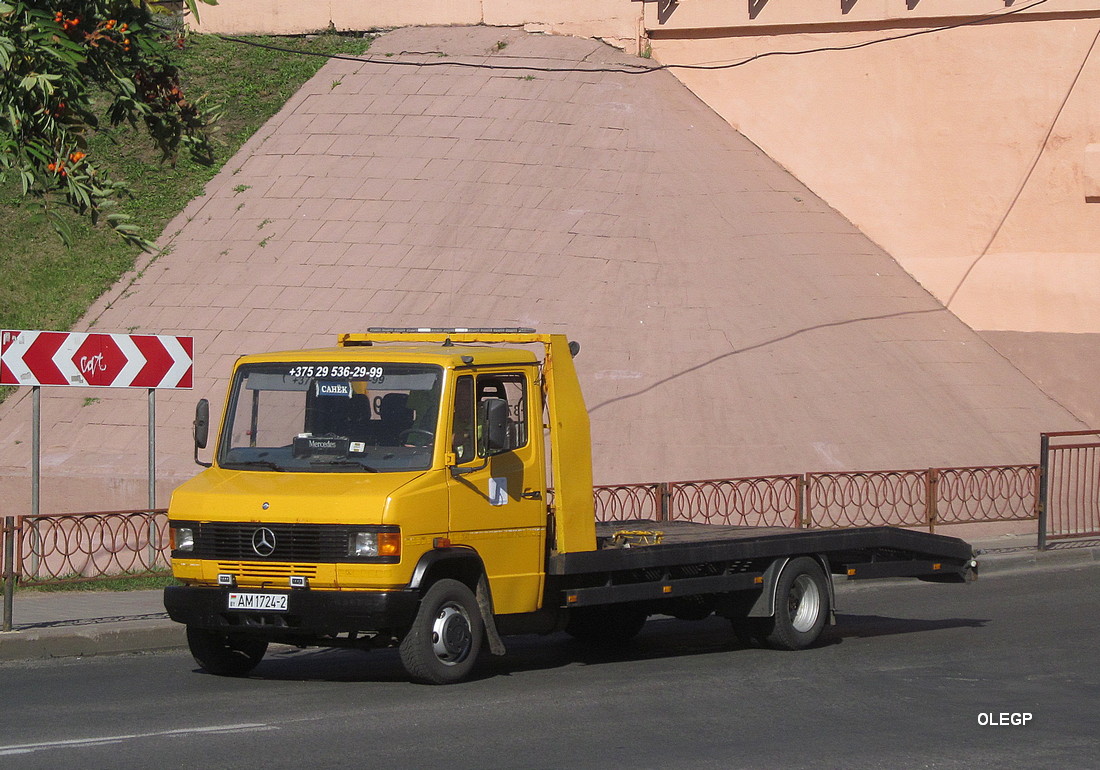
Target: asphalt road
{"type": "Point", "coordinates": [910, 677]}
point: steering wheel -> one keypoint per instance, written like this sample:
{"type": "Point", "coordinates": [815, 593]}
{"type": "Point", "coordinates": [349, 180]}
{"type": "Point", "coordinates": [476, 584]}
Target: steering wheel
{"type": "Point", "coordinates": [406, 434]}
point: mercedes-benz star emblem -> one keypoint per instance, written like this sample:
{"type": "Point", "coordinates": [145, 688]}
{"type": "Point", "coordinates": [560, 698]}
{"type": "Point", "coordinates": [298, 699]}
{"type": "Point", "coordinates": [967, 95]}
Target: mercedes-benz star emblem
{"type": "Point", "coordinates": [263, 542]}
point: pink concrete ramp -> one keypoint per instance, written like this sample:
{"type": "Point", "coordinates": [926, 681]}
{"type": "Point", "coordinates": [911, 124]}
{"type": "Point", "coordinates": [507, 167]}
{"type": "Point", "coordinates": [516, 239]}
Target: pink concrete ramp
{"type": "Point", "coordinates": [731, 323]}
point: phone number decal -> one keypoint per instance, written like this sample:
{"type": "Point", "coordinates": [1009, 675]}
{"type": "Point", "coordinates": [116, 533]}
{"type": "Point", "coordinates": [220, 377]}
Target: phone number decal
{"type": "Point", "coordinates": [371, 373]}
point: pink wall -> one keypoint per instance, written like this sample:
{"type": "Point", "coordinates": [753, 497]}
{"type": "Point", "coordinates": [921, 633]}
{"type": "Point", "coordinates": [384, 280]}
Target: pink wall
{"type": "Point", "coordinates": [970, 154]}
{"type": "Point", "coordinates": [617, 21]}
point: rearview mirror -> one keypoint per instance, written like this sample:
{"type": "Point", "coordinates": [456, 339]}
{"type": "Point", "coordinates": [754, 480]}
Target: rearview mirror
{"type": "Point", "coordinates": [492, 416]}
{"type": "Point", "coordinates": [202, 423]}
{"type": "Point", "coordinates": [202, 429]}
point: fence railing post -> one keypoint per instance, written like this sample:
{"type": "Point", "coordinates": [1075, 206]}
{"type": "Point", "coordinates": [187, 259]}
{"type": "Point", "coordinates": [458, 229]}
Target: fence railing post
{"type": "Point", "coordinates": [932, 483]}
{"type": "Point", "coordinates": [1044, 489]}
{"type": "Point", "coordinates": [9, 570]}
{"type": "Point", "coordinates": [664, 501]}
{"type": "Point", "coordinates": [803, 518]}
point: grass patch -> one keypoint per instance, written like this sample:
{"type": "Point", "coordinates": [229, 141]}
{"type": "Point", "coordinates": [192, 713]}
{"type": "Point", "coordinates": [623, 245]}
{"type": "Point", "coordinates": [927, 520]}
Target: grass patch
{"type": "Point", "coordinates": [49, 286]}
{"type": "Point", "coordinates": [122, 582]}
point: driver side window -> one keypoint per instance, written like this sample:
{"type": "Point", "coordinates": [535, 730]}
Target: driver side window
{"type": "Point", "coordinates": [511, 388]}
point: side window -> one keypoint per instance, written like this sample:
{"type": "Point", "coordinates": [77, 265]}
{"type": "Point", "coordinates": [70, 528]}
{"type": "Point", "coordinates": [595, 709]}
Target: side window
{"type": "Point", "coordinates": [462, 443]}
{"type": "Point", "coordinates": [511, 388]}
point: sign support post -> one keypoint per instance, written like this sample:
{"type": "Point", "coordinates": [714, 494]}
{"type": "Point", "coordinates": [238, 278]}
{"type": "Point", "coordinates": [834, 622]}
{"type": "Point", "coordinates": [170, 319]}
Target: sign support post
{"type": "Point", "coordinates": [9, 569]}
{"type": "Point", "coordinates": [152, 476]}
{"type": "Point", "coordinates": [36, 472]}
{"type": "Point", "coordinates": [36, 447]}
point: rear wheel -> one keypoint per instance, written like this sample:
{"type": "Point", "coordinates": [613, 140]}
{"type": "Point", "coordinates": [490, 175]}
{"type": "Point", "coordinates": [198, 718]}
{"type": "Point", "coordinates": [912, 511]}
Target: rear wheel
{"type": "Point", "coordinates": [443, 643]}
{"type": "Point", "coordinates": [225, 654]}
{"type": "Point", "coordinates": [801, 605]}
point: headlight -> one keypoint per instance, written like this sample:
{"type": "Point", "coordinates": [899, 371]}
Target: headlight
{"type": "Point", "coordinates": [184, 538]}
{"type": "Point", "coordinates": [364, 544]}
{"type": "Point", "coordinates": [371, 544]}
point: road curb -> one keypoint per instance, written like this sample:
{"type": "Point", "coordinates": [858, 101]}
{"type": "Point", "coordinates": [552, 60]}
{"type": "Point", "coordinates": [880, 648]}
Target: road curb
{"type": "Point", "coordinates": [994, 561]}
{"type": "Point", "coordinates": [69, 642]}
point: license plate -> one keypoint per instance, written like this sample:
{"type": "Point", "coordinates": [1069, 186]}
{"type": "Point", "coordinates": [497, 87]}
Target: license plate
{"type": "Point", "coordinates": [239, 601]}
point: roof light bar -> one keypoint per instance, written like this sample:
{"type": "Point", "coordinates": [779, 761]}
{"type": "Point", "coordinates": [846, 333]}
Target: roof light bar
{"type": "Point", "coordinates": [450, 330]}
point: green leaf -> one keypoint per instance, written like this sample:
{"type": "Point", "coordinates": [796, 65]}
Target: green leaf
{"type": "Point", "coordinates": [60, 226]}
{"type": "Point", "coordinates": [40, 80]}
{"type": "Point", "coordinates": [37, 153]}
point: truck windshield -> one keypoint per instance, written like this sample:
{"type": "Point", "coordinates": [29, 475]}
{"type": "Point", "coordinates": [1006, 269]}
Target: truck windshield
{"type": "Point", "coordinates": [332, 417]}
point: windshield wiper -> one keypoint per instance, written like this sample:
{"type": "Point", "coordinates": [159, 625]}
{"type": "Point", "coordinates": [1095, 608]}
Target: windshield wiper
{"type": "Point", "coordinates": [345, 464]}
{"type": "Point", "coordinates": [264, 463]}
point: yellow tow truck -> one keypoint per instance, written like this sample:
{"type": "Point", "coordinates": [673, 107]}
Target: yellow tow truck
{"type": "Point", "coordinates": [431, 489]}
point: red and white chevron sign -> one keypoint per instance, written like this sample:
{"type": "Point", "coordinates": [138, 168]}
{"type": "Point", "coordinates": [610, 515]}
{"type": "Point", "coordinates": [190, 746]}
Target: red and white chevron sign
{"type": "Point", "coordinates": [99, 360]}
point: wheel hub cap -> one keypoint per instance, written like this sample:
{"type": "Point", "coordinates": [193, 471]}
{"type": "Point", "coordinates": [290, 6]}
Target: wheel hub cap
{"type": "Point", "coordinates": [451, 635]}
{"type": "Point", "coordinates": [805, 604]}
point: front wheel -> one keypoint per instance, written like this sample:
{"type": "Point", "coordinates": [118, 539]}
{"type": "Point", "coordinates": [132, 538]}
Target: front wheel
{"type": "Point", "coordinates": [225, 654]}
{"type": "Point", "coordinates": [445, 638]}
{"type": "Point", "coordinates": [801, 605]}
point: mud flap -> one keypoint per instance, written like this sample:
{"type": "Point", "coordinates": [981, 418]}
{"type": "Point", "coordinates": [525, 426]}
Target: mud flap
{"type": "Point", "coordinates": [485, 605]}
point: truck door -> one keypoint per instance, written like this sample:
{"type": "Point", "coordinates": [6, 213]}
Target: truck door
{"type": "Point", "coordinates": [498, 498]}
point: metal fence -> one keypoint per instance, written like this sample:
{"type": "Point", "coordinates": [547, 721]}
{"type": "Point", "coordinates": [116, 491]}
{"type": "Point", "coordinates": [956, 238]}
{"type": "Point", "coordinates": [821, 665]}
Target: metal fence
{"type": "Point", "coordinates": [1071, 485]}
{"type": "Point", "coordinates": [924, 498]}
{"type": "Point", "coordinates": [760, 501]}
{"type": "Point", "coordinates": [757, 501]}
{"type": "Point", "coordinates": [623, 502]}
{"type": "Point", "coordinates": [69, 547]}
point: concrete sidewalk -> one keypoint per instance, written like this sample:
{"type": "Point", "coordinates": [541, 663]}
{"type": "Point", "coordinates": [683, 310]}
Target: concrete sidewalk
{"type": "Point", "coordinates": [81, 623]}
{"type": "Point", "coordinates": [77, 623]}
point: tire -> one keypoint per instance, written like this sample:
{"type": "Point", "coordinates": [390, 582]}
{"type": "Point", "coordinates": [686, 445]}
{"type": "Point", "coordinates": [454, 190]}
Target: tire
{"type": "Point", "coordinates": [225, 654]}
{"type": "Point", "coordinates": [443, 644]}
{"type": "Point", "coordinates": [801, 605]}
{"type": "Point", "coordinates": [611, 626]}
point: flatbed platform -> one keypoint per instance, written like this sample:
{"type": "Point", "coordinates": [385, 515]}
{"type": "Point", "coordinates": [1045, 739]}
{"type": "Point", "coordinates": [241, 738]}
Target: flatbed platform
{"type": "Point", "coordinates": [686, 542]}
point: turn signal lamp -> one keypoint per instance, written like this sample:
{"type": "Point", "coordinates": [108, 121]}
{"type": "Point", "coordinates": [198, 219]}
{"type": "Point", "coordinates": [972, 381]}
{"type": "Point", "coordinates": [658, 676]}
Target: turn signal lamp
{"type": "Point", "coordinates": [389, 543]}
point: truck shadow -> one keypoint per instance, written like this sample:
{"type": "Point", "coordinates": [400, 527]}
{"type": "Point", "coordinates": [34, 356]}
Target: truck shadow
{"type": "Point", "coordinates": [866, 626]}
{"type": "Point", "coordinates": [661, 638]}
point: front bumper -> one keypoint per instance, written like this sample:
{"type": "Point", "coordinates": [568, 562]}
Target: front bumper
{"type": "Point", "coordinates": [309, 613]}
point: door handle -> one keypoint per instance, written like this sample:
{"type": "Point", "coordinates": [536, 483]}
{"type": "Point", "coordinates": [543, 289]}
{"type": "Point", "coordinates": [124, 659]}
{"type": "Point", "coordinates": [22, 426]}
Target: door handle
{"type": "Point", "coordinates": [531, 494]}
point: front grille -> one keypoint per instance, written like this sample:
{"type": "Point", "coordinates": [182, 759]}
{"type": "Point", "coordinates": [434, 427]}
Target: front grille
{"type": "Point", "coordinates": [292, 542]}
{"type": "Point", "coordinates": [259, 570]}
